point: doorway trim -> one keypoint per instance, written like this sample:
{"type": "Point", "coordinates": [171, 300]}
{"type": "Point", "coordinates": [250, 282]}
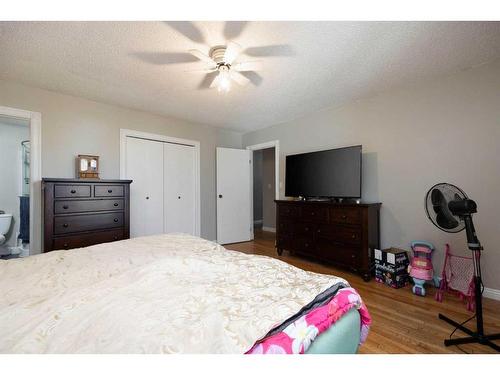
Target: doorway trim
{"type": "Point", "coordinates": [124, 133]}
{"type": "Point", "coordinates": [35, 126]}
{"type": "Point", "coordinates": [261, 146]}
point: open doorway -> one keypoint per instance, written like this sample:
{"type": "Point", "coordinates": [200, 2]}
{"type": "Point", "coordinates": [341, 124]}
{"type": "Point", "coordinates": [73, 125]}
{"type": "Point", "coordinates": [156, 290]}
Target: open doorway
{"type": "Point", "coordinates": [20, 213]}
{"type": "Point", "coordinates": [265, 187]}
{"type": "Point", "coordinates": [15, 186]}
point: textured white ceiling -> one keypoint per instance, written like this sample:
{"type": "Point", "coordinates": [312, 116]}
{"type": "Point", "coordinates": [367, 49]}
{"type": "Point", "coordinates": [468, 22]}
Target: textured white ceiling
{"type": "Point", "coordinates": [143, 65]}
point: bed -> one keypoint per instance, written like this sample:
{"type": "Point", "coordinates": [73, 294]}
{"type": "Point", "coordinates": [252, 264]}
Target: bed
{"type": "Point", "coordinates": [173, 293]}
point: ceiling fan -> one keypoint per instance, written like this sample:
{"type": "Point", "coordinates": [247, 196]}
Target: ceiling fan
{"type": "Point", "coordinates": [222, 59]}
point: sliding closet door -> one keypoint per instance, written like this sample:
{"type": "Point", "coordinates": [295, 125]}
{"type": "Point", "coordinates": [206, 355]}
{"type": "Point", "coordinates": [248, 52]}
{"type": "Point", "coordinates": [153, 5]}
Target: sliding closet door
{"type": "Point", "coordinates": [144, 165]}
{"type": "Point", "coordinates": [179, 187]}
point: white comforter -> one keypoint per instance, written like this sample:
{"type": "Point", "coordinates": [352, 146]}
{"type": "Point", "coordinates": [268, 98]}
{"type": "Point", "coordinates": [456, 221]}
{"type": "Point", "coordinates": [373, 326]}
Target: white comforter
{"type": "Point", "coordinates": [160, 294]}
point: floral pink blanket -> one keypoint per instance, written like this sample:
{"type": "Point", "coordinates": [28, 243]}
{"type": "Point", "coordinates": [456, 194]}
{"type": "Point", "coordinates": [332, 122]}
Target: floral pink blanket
{"type": "Point", "coordinates": [296, 336]}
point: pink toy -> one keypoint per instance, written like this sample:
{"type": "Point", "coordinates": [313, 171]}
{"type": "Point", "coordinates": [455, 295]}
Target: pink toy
{"type": "Point", "coordinates": [420, 268]}
{"type": "Point", "coordinates": [457, 277]}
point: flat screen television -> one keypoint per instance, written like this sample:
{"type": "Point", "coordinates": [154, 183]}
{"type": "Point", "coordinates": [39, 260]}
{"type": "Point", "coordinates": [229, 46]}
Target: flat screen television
{"type": "Point", "coordinates": [332, 173]}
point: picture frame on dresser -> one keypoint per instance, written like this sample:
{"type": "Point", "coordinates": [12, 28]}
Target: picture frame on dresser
{"type": "Point", "coordinates": [81, 212]}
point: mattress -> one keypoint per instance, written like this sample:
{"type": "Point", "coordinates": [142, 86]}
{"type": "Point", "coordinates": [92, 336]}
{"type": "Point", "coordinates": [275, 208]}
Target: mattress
{"type": "Point", "coordinates": [170, 293]}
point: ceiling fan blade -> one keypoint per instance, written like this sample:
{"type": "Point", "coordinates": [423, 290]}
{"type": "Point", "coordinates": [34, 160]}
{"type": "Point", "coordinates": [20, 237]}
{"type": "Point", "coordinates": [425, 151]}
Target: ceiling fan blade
{"type": "Point", "coordinates": [254, 77]}
{"type": "Point", "coordinates": [205, 70]}
{"type": "Point", "coordinates": [200, 55]}
{"type": "Point", "coordinates": [233, 49]}
{"type": "Point", "coordinates": [188, 29]}
{"type": "Point", "coordinates": [239, 78]}
{"type": "Point", "coordinates": [247, 66]}
{"type": "Point", "coordinates": [163, 58]}
{"type": "Point", "coordinates": [276, 50]}
{"type": "Point", "coordinates": [233, 29]}
{"type": "Point", "coordinates": [215, 81]}
{"type": "Point", "coordinates": [208, 80]}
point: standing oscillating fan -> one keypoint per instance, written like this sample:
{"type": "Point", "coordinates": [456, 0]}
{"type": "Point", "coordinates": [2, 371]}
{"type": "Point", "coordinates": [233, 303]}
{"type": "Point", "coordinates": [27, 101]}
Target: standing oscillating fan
{"type": "Point", "coordinates": [449, 209]}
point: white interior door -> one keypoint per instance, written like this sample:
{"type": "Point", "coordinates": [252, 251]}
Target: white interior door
{"type": "Point", "coordinates": [179, 188]}
{"type": "Point", "coordinates": [144, 165]}
{"type": "Point", "coordinates": [233, 195]}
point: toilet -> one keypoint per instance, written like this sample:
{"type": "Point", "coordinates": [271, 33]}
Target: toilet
{"type": "Point", "coordinates": [5, 221]}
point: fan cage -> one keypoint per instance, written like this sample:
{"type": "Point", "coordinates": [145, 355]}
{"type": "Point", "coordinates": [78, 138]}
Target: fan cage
{"type": "Point", "coordinates": [450, 192]}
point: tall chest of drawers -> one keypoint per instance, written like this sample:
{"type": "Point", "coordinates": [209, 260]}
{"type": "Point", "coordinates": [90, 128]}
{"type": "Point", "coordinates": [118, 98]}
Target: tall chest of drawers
{"type": "Point", "coordinates": [341, 234]}
{"type": "Point", "coordinates": [79, 213]}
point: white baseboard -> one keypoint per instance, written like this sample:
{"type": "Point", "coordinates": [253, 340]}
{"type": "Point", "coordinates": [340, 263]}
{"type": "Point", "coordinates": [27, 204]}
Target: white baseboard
{"type": "Point", "coordinates": [491, 293]}
{"type": "Point", "coordinates": [269, 229]}
{"type": "Point", "coordinates": [257, 222]}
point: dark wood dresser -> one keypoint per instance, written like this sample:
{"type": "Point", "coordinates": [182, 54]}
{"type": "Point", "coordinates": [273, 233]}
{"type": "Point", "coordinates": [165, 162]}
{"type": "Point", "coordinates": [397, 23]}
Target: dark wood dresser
{"type": "Point", "coordinates": [338, 233]}
{"type": "Point", "coordinates": [79, 213]}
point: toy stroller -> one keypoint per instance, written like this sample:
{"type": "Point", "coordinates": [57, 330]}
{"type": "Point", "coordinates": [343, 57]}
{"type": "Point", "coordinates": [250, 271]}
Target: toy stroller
{"type": "Point", "coordinates": [458, 277]}
{"type": "Point", "coordinates": [420, 268]}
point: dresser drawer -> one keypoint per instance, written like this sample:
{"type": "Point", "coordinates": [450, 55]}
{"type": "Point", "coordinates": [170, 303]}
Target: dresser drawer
{"type": "Point", "coordinates": [340, 234]}
{"type": "Point", "coordinates": [287, 210]}
{"type": "Point", "coordinates": [347, 235]}
{"type": "Point", "coordinates": [81, 223]}
{"type": "Point", "coordinates": [71, 206]}
{"type": "Point", "coordinates": [305, 228]}
{"type": "Point", "coordinates": [339, 254]}
{"type": "Point", "coordinates": [285, 226]}
{"type": "Point", "coordinates": [108, 191]}
{"type": "Point", "coordinates": [314, 213]}
{"type": "Point", "coordinates": [304, 244]}
{"type": "Point", "coordinates": [345, 215]}
{"type": "Point", "coordinates": [72, 191]}
{"type": "Point", "coordinates": [82, 240]}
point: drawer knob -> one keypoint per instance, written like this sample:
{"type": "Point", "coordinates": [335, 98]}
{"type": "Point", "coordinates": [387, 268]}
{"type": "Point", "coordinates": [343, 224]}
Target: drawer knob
{"type": "Point", "coordinates": [116, 205]}
{"type": "Point", "coordinates": [312, 213]}
{"type": "Point", "coordinates": [147, 197]}
{"type": "Point", "coordinates": [353, 236]}
{"type": "Point", "coordinates": [65, 207]}
{"type": "Point", "coordinates": [307, 245]}
{"type": "Point", "coordinates": [115, 238]}
{"type": "Point", "coordinates": [65, 245]}
{"type": "Point", "coordinates": [307, 229]}
{"type": "Point", "coordinates": [115, 220]}
{"type": "Point", "coordinates": [179, 197]}
{"type": "Point", "coordinates": [73, 191]}
{"type": "Point", "coordinates": [344, 217]}
{"type": "Point", "coordinates": [110, 191]}
{"type": "Point", "coordinates": [65, 225]}
{"type": "Point", "coordinates": [319, 230]}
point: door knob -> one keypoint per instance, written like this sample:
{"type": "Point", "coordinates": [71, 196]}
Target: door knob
{"type": "Point", "coordinates": [220, 195]}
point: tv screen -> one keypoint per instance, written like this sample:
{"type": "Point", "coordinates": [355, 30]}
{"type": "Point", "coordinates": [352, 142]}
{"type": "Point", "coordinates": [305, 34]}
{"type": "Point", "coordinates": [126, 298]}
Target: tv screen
{"type": "Point", "coordinates": [330, 173]}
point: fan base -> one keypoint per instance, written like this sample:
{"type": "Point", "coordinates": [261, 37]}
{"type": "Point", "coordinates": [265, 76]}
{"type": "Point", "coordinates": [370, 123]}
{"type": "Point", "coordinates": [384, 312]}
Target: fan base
{"type": "Point", "coordinates": [474, 337]}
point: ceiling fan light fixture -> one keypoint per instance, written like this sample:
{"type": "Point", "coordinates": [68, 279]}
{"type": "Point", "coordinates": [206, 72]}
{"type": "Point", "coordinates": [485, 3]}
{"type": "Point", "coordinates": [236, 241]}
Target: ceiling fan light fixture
{"type": "Point", "coordinates": [224, 79]}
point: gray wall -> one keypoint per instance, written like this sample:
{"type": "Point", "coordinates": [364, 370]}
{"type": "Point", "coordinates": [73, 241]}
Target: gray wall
{"type": "Point", "coordinates": [72, 126]}
{"type": "Point", "coordinates": [257, 186]}
{"type": "Point", "coordinates": [446, 129]}
{"type": "Point", "coordinates": [12, 133]}
{"type": "Point", "coordinates": [268, 188]}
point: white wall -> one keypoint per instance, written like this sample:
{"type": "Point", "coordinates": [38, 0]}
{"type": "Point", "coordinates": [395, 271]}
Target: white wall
{"type": "Point", "coordinates": [447, 129]}
{"type": "Point", "coordinates": [12, 133]}
{"type": "Point", "coordinates": [72, 126]}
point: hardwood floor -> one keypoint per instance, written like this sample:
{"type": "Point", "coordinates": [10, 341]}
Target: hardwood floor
{"type": "Point", "coordinates": [402, 322]}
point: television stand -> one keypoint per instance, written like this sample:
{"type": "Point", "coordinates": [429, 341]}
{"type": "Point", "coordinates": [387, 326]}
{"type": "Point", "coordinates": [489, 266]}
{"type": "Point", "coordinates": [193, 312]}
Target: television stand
{"type": "Point", "coordinates": [343, 234]}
